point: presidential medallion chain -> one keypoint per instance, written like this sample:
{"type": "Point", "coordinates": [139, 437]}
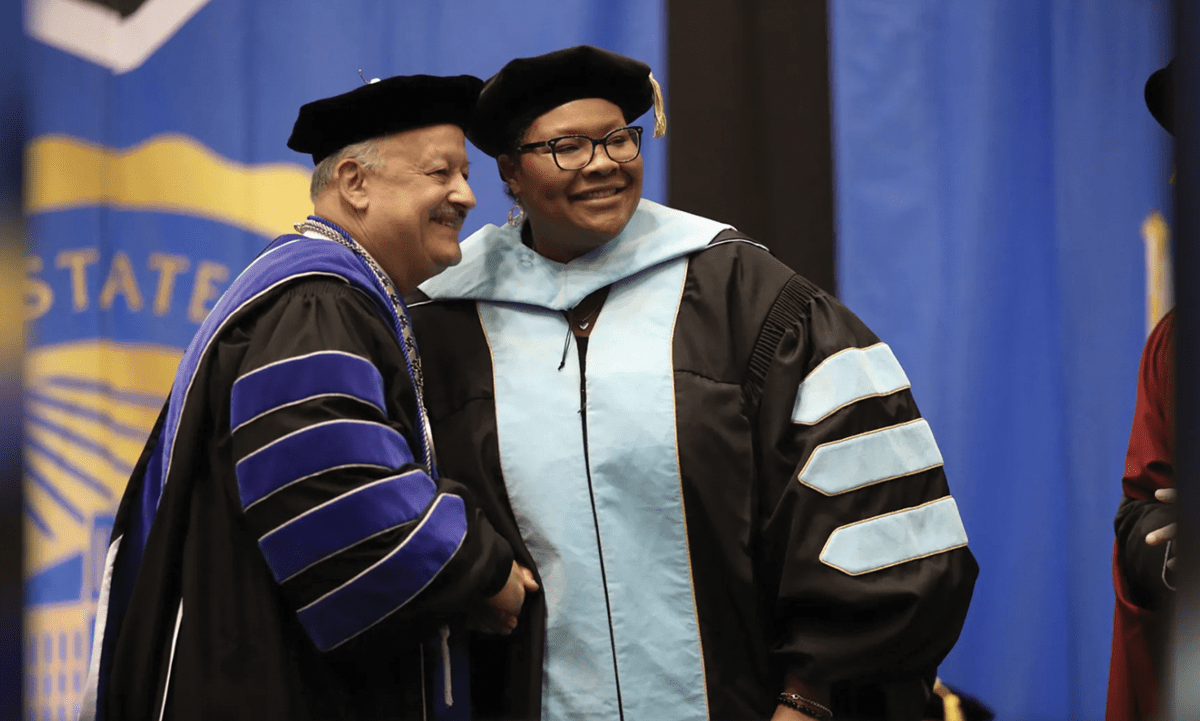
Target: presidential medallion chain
{"type": "Point", "coordinates": [407, 338]}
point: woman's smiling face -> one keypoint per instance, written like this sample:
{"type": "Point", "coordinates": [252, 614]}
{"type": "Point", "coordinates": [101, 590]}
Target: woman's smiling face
{"type": "Point", "coordinates": [572, 212]}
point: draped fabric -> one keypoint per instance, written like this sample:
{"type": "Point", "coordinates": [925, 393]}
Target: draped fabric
{"type": "Point", "coordinates": [156, 170]}
{"type": "Point", "coordinates": [765, 95]}
{"type": "Point", "coordinates": [995, 163]}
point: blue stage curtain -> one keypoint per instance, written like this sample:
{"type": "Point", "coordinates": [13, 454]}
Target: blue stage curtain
{"type": "Point", "coordinates": [995, 162]}
{"type": "Point", "coordinates": [157, 169]}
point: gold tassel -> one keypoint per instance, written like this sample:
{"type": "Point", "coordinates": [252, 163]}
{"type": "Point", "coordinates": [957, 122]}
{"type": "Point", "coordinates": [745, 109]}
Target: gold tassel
{"type": "Point", "coordinates": [952, 708]}
{"type": "Point", "coordinates": [1156, 236]}
{"type": "Point", "coordinates": [951, 703]}
{"type": "Point", "coordinates": [660, 115]}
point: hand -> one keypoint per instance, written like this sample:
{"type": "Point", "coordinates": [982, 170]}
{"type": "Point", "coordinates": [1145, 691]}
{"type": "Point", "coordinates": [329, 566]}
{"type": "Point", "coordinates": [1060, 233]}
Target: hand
{"type": "Point", "coordinates": [1167, 532]}
{"type": "Point", "coordinates": [502, 610]}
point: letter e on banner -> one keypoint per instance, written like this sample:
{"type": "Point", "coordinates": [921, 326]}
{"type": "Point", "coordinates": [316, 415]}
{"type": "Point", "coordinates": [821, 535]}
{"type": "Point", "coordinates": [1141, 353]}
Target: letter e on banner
{"type": "Point", "coordinates": [205, 289]}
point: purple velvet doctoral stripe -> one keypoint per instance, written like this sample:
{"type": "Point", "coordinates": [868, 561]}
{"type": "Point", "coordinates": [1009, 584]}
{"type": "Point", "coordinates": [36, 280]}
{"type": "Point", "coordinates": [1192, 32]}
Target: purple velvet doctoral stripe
{"type": "Point", "coordinates": [346, 520]}
{"type": "Point", "coordinates": [289, 258]}
{"type": "Point", "coordinates": [318, 448]}
{"type": "Point", "coordinates": [295, 379]}
{"type": "Point", "coordinates": [388, 585]}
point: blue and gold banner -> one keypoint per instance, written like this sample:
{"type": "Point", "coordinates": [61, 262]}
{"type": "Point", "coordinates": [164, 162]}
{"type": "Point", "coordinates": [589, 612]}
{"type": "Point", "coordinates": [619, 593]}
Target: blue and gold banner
{"type": "Point", "coordinates": [156, 169]}
{"type": "Point", "coordinates": [145, 194]}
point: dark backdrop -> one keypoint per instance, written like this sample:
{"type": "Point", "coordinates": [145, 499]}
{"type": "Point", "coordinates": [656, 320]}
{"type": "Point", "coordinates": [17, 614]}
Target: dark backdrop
{"type": "Point", "coordinates": [748, 107]}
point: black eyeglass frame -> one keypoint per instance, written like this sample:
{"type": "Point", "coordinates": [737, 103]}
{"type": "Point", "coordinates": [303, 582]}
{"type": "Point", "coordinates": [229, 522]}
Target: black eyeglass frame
{"type": "Point", "coordinates": [552, 142]}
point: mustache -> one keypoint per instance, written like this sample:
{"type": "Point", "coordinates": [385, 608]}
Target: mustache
{"type": "Point", "coordinates": [449, 214]}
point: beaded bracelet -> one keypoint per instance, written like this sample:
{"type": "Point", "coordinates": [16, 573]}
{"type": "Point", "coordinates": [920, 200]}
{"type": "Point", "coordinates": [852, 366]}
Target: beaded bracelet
{"type": "Point", "coordinates": [796, 702]}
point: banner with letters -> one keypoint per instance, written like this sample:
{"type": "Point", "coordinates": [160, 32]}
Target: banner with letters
{"type": "Point", "coordinates": [156, 169]}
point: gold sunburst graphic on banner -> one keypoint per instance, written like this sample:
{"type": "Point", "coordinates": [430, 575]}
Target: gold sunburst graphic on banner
{"type": "Point", "coordinates": [89, 408]}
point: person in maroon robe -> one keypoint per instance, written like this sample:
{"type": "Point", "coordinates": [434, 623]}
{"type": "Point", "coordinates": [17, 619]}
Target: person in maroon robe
{"type": "Point", "coordinates": [1143, 554]}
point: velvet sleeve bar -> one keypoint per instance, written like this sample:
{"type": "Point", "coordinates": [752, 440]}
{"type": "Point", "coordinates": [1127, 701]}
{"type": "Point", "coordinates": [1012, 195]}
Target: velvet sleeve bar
{"type": "Point", "coordinates": [346, 515]}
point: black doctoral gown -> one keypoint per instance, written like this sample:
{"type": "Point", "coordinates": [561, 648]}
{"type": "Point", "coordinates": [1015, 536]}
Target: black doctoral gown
{"type": "Point", "coordinates": [731, 484]}
{"type": "Point", "coordinates": [303, 550]}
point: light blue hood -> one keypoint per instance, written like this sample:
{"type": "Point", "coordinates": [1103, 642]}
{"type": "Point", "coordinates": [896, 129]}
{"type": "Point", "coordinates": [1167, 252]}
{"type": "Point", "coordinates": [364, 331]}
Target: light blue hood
{"type": "Point", "coordinates": [497, 266]}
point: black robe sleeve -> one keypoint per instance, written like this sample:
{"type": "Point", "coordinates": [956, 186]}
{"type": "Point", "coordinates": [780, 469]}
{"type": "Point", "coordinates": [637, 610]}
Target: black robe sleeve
{"type": "Point", "coordinates": [329, 474]}
{"type": "Point", "coordinates": [1151, 584]}
{"type": "Point", "coordinates": [1149, 466]}
{"type": "Point", "coordinates": [860, 536]}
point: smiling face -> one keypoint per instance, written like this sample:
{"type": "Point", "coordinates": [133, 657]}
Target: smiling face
{"type": "Point", "coordinates": [413, 207]}
{"type": "Point", "coordinates": [572, 212]}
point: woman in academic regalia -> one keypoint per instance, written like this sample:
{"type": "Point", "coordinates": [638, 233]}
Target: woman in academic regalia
{"type": "Point", "coordinates": [718, 472]}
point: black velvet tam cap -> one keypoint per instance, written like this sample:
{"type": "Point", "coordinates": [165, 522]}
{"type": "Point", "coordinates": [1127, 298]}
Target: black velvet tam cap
{"type": "Point", "coordinates": [526, 88]}
{"type": "Point", "coordinates": [383, 107]}
{"type": "Point", "coordinates": [1160, 97]}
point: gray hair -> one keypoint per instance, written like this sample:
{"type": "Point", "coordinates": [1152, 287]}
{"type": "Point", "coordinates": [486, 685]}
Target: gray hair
{"type": "Point", "coordinates": [367, 153]}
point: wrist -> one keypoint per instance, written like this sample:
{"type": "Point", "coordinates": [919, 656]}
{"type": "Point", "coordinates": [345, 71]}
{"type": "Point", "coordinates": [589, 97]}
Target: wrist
{"type": "Point", "coordinates": [806, 706]}
{"type": "Point", "coordinates": [783, 713]}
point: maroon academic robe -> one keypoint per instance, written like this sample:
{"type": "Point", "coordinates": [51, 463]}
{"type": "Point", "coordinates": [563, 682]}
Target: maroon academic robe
{"type": "Point", "coordinates": [1133, 682]}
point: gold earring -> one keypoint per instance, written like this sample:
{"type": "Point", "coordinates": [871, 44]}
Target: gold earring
{"type": "Point", "coordinates": [516, 215]}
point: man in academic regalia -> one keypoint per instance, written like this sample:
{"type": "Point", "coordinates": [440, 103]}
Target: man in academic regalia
{"type": "Point", "coordinates": [286, 547]}
{"type": "Point", "coordinates": [732, 502]}
{"type": "Point", "coordinates": [1143, 554]}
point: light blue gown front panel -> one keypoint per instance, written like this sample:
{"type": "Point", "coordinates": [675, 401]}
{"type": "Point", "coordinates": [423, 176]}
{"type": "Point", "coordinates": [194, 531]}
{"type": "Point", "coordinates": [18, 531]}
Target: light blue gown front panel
{"type": "Point", "coordinates": [635, 475]}
{"type": "Point", "coordinates": [638, 509]}
{"type": "Point", "coordinates": [542, 456]}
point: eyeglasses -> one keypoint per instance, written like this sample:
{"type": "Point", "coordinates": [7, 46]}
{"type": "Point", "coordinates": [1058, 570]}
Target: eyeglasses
{"type": "Point", "coordinates": [574, 152]}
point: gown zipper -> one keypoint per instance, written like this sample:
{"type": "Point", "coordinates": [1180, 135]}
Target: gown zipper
{"type": "Point", "coordinates": [582, 343]}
